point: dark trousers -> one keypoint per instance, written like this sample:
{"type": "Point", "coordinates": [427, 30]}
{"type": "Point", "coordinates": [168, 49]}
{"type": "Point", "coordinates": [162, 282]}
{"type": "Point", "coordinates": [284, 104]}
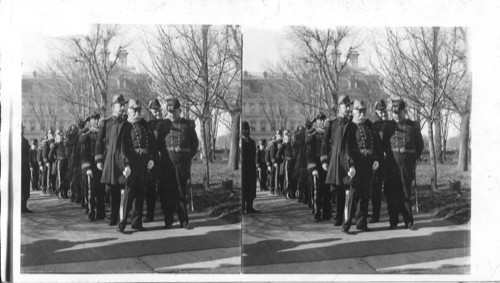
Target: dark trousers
{"type": "Point", "coordinates": [280, 177]}
{"type": "Point", "coordinates": [262, 175]}
{"type": "Point", "coordinates": [133, 198]}
{"type": "Point", "coordinates": [338, 197]}
{"type": "Point", "coordinates": [115, 194]}
{"type": "Point", "coordinates": [95, 193]}
{"type": "Point", "coordinates": [376, 196]}
{"type": "Point", "coordinates": [182, 169]}
{"type": "Point", "coordinates": [35, 171]}
{"type": "Point", "coordinates": [320, 195]}
{"type": "Point", "coordinates": [289, 183]}
{"type": "Point", "coordinates": [400, 178]}
{"type": "Point", "coordinates": [272, 179]}
{"type": "Point", "coordinates": [78, 185]}
{"type": "Point", "coordinates": [358, 196]}
{"type": "Point", "coordinates": [158, 188]}
{"type": "Point", "coordinates": [62, 169]}
{"type": "Point", "coordinates": [40, 179]}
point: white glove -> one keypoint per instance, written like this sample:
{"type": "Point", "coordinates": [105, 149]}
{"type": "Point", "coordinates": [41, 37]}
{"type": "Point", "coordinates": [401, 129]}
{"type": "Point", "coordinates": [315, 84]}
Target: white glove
{"type": "Point", "coordinates": [151, 164]}
{"type": "Point", "coordinates": [89, 172]}
{"type": "Point", "coordinates": [275, 164]}
{"type": "Point", "coordinates": [269, 168]}
{"type": "Point", "coordinates": [99, 166]}
{"type": "Point", "coordinates": [315, 173]}
{"type": "Point", "coordinates": [352, 172]}
{"type": "Point", "coordinates": [41, 168]}
{"type": "Point", "coordinates": [325, 166]}
{"type": "Point", "coordinates": [127, 171]}
{"type": "Point", "coordinates": [48, 164]}
{"type": "Point", "coordinates": [375, 165]}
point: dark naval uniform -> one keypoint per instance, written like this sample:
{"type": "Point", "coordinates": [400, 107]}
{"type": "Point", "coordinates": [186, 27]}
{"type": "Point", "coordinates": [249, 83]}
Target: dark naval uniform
{"type": "Point", "coordinates": [277, 160]}
{"type": "Point", "coordinates": [320, 191]}
{"type": "Point", "coordinates": [181, 144]}
{"type": "Point", "coordinates": [60, 167]}
{"type": "Point", "coordinates": [107, 152]}
{"type": "Point", "coordinates": [300, 170]}
{"type": "Point", "coordinates": [248, 173]}
{"type": "Point", "coordinates": [379, 176]}
{"type": "Point", "coordinates": [35, 169]}
{"type": "Point", "coordinates": [363, 150]}
{"type": "Point", "coordinates": [25, 174]}
{"type": "Point", "coordinates": [42, 178]}
{"type": "Point", "coordinates": [332, 152]}
{"type": "Point", "coordinates": [93, 186]}
{"type": "Point", "coordinates": [269, 162]}
{"type": "Point", "coordinates": [139, 148]}
{"type": "Point", "coordinates": [406, 145]}
{"type": "Point", "coordinates": [48, 160]}
{"type": "Point", "coordinates": [161, 180]}
{"type": "Point", "coordinates": [260, 160]}
{"type": "Point", "coordinates": [288, 164]}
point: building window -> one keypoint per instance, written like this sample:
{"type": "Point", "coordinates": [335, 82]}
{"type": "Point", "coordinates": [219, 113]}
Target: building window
{"type": "Point", "coordinates": [32, 126]}
{"type": "Point", "coordinates": [253, 126]}
{"type": "Point", "coordinates": [262, 126]}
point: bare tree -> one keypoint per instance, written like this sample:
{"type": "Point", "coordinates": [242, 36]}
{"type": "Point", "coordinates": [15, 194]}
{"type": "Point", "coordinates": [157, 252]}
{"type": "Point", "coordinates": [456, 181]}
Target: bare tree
{"type": "Point", "coordinates": [94, 52]}
{"type": "Point", "coordinates": [421, 65]}
{"type": "Point", "coordinates": [275, 111]}
{"type": "Point", "coordinates": [46, 110]}
{"type": "Point", "coordinates": [323, 49]}
{"type": "Point", "coordinates": [194, 64]}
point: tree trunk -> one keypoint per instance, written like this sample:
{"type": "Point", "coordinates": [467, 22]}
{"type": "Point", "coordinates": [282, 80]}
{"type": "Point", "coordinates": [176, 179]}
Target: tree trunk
{"type": "Point", "coordinates": [235, 139]}
{"type": "Point", "coordinates": [432, 157]}
{"type": "Point", "coordinates": [464, 150]}
{"type": "Point", "coordinates": [204, 152]}
{"type": "Point", "coordinates": [438, 139]}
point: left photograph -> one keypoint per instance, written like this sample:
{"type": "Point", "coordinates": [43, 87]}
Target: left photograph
{"type": "Point", "coordinates": [130, 149]}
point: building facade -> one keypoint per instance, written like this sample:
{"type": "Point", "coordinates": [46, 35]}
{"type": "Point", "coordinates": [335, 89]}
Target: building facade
{"type": "Point", "coordinates": [42, 109]}
{"type": "Point", "coordinates": [267, 108]}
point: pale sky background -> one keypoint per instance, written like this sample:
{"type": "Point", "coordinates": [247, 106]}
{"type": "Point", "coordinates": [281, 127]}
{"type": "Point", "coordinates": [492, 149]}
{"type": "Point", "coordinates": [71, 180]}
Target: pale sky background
{"type": "Point", "coordinates": [262, 47]}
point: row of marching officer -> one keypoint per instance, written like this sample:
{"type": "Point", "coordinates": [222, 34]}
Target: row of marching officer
{"type": "Point", "coordinates": [140, 160]}
{"type": "Point", "coordinates": [124, 157]}
{"type": "Point", "coordinates": [361, 158]}
{"type": "Point", "coordinates": [343, 162]}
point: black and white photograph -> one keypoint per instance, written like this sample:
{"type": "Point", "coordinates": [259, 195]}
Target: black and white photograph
{"type": "Point", "coordinates": [362, 155]}
{"type": "Point", "coordinates": [249, 141]}
{"type": "Point", "coordinates": [129, 164]}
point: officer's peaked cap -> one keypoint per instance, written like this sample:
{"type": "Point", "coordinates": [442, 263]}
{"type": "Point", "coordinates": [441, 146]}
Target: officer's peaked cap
{"type": "Point", "coordinates": [154, 104]}
{"type": "Point", "coordinates": [344, 99]}
{"type": "Point", "coordinates": [118, 98]}
{"type": "Point", "coordinates": [359, 105]}
{"type": "Point", "coordinates": [380, 105]}
{"type": "Point", "coordinates": [134, 104]}
{"type": "Point", "coordinates": [398, 105]}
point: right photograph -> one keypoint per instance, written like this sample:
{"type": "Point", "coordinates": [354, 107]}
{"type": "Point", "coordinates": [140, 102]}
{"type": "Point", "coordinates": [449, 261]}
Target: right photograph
{"type": "Point", "coordinates": [356, 150]}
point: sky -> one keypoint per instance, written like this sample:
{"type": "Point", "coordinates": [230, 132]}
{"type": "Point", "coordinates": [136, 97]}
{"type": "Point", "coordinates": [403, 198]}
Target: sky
{"type": "Point", "coordinates": [262, 47]}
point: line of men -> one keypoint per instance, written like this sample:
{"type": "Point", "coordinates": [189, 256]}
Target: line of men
{"type": "Point", "coordinates": [124, 160]}
{"type": "Point", "coordinates": [344, 162]}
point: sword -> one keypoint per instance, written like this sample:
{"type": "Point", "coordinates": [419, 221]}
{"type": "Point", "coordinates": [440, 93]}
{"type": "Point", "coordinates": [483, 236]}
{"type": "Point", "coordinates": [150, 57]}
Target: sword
{"type": "Point", "coordinates": [191, 191]}
{"type": "Point", "coordinates": [416, 190]}
{"type": "Point", "coordinates": [89, 192]}
{"type": "Point", "coordinates": [314, 195]}
{"type": "Point", "coordinates": [59, 176]}
{"type": "Point", "coordinates": [31, 178]}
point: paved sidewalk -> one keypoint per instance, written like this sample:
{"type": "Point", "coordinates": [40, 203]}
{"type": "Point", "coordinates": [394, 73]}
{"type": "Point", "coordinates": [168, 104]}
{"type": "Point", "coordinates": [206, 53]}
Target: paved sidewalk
{"type": "Point", "coordinates": [283, 238]}
{"type": "Point", "coordinates": [58, 238]}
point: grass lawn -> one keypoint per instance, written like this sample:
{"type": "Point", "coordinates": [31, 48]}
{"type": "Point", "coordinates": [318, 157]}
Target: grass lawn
{"type": "Point", "coordinates": [218, 201]}
{"type": "Point", "coordinates": [448, 203]}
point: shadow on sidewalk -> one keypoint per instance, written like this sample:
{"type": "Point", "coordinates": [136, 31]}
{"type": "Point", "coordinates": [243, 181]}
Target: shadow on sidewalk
{"type": "Point", "coordinates": [274, 251]}
{"type": "Point", "coordinates": [44, 252]}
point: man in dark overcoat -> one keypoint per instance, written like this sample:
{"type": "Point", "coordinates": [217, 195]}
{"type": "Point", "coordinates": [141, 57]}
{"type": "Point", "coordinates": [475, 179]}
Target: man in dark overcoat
{"type": "Point", "coordinates": [380, 126]}
{"type": "Point", "coordinates": [333, 151]}
{"type": "Point", "coordinates": [34, 167]}
{"type": "Point", "coordinates": [25, 173]}
{"type": "Point", "coordinates": [248, 170]}
{"type": "Point", "coordinates": [108, 155]}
